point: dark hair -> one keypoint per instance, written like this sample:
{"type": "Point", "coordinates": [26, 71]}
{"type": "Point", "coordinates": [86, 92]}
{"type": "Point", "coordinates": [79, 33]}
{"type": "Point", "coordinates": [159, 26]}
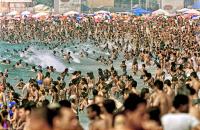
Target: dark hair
{"type": "Point", "coordinates": [143, 92]}
{"type": "Point", "coordinates": [94, 92]}
{"type": "Point", "coordinates": [29, 105]}
{"type": "Point", "coordinates": [4, 113]}
{"type": "Point", "coordinates": [180, 100]}
{"type": "Point", "coordinates": [132, 102]}
{"type": "Point", "coordinates": [48, 114]}
{"type": "Point", "coordinates": [194, 74]}
{"type": "Point", "coordinates": [191, 90]}
{"type": "Point", "coordinates": [45, 103]}
{"type": "Point", "coordinates": [134, 83]}
{"type": "Point", "coordinates": [109, 105]}
{"type": "Point", "coordinates": [158, 65]}
{"type": "Point", "coordinates": [58, 78]}
{"type": "Point", "coordinates": [47, 74]}
{"type": "Point", "coordinates": [65, 103]}
{"type": "Point", "coordinates": [158, 84]}
{"type": "Point", "coordinates": [22, 106]}
{"type": "Point", "coordinates": [24, 101]}
{"type": "Point", "coordinates": [154, 114]}
{"type": "Point", "coordinates": [96, 108]}
{"type": "Point", "coordinates": [168, 82]}
{"type": "Point", "coordinates": [148, 75]}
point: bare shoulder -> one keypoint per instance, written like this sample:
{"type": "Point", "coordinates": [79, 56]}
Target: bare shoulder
{"type": "Point", "coordinates": [99, 125]}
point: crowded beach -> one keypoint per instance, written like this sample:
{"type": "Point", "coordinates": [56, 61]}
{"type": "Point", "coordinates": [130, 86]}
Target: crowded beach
{"type": "Point", "coordinates": [124, 72]}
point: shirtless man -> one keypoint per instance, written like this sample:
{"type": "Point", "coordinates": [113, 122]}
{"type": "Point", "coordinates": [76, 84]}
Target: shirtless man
{"type": "Point", "coordinates": [2, 96]}
{"type": "Point", "coordinates": [169, 91]}
{"type": "Point", "coordinates": [135, 66]}
{"type": "Point", "coordinates": [64, 73]}
{"type": "Point", "coordinates": [123, 66]}
{"type": "Point", "coordinates": [159, 73]}
{"type": "Point", "coordinates": [39, 77]}
{"type": "Point", "coordinates": [47, 81]}
{"type": "Point", "coordinates": [20, 84]}
{"type": "Point", "coordinates": [68, 57]}
{"type": "Point", "coordinates": [161, 99]}
{"type": "Point", "coordinates": [2, 80]}
{"type": "Point", "coordinates": [93, 112]}
{"type": "Point", "coordinates": [195, 83]}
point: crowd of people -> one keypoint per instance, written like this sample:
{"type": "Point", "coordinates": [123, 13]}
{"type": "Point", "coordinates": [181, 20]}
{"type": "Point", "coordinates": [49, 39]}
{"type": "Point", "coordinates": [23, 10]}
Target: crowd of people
{"type": "Point", "coordinates": [113, 100]}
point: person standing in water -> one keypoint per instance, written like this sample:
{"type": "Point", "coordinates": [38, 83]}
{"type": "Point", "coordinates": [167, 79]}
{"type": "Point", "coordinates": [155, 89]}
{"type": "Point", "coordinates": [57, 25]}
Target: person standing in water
{"type": "Point", "coordinates": [2, 80]}
{"type": "Point", "coordinates": [123, 67]}
{"type": "Point", "coordinates": [2, 97]}
{"type": "Point", "coordinates": [39, 77]}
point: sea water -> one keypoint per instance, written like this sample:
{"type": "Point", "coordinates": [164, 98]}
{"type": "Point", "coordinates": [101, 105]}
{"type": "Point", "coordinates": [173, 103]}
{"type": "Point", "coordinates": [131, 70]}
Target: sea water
{"type": "Point", "coordinates": [38, 54]}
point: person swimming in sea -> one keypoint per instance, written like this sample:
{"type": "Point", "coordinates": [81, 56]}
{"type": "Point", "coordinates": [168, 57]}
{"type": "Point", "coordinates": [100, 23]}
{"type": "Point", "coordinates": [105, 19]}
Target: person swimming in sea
{"type": "Point", "coordinates": [39, 77]}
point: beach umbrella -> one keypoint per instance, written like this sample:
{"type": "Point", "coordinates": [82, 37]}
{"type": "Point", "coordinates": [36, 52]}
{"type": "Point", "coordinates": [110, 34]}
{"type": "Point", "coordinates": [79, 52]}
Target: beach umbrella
{"type": "Point", "coordinates": [139, 11]}
{"type": "Point", "coordinates": [25, 13]}
{"type": "Point", "coordinates": [71, 13]}
{"type": "Point", "coordinates": [183, 10]}
{"type": "Point", "coordinates": [195, 17]}
{"type": "Point", "coordinates": [160, 12]}
{"type": "Point", "coordinates": [192, 11]}
{"type": "Point", "coordinates": [102, 12]}
{"type": "Point", "coordinates": [90, 14]}
{"type": "Point", "coordinates": [122, 13]}
{"type": "Point", "coordinates": [13, 13]}
{"type": "Point", "coordinates": [40, 14]}
{"type": "Point", "coordinates": [41, 8]}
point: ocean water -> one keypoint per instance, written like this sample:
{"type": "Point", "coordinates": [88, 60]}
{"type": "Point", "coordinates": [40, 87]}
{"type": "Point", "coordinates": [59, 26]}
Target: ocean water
{"type": "Point", "coordinates": [43, 55]}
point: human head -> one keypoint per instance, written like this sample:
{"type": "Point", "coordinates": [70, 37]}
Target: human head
{"type": "Point", "coordinates": [167, 82]}
{"type": "Point", "coordinates": [47, 74]}
{"type": "Point", "coordinates": [66, 120]}
{"type": "Point", "coordinates": [159, 85]}
{"type": "Point", "coordinates": [159, 66]}
{"type": "Point", "coordinates": [144, 93]}
{"type": "Point", "coordinates": [135, 109]}
{"type": "Point", "coordinates": [66, 70]}
{"type": "Point", "coordinates": [42, 118]}
{"type": "Point", "coordinates": [181, 103]}
{"type": "Point", "coordinates": [94, 92]}
{"type": "Point", "coordinates": [193, 75]}
{"type": "Point", "coordinates": [1, 73]}
{"type": "Point", "coordinates": [4, 114]}
{"type": "Point", "coordinates": [22, 113]}
{"type": "Point", "coordinates": [154, 114]}
{"type": "Point", "coordinates": [45, 103]}
{"type": "Point", "coordinates": [29, 106]}
{"type": "Point", "coordinates": [65, 103]}
{"type": "Point", "coordinates": [109, 105]}
{"type": "Point", "coordinates": [133, 83]}
{"type": "Point", "coordinates": [93, 111]}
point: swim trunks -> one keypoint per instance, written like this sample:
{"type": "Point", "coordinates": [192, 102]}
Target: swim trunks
{"type": "Point", "coordinates": [39, 82]}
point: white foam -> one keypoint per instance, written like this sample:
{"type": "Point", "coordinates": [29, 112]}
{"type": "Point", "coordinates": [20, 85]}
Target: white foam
{"type": "Point", "coordinates": [44, 58]}
{"type": "Point", "coordinates": [129, 65]}
{"type": "Point", "coordinates": [74, 56]}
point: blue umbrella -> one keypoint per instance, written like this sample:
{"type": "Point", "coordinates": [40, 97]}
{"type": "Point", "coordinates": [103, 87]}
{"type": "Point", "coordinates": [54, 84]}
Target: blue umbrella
{"type": "Point", "coordinates": [140, 11]}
